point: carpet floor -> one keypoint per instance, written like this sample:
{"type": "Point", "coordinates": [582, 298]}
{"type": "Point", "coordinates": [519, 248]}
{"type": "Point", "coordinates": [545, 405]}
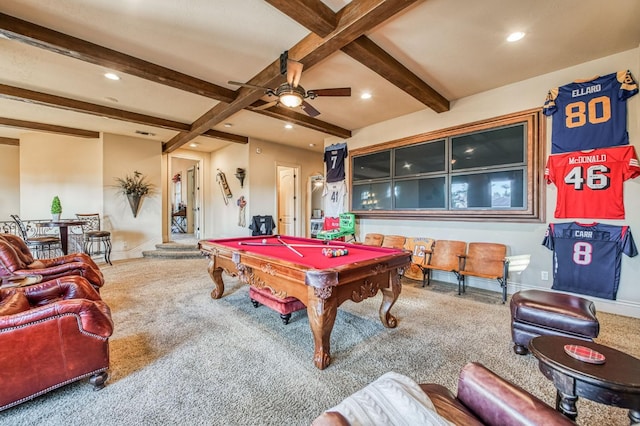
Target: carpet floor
{"type": "Point", "coordinates": [179, 357]}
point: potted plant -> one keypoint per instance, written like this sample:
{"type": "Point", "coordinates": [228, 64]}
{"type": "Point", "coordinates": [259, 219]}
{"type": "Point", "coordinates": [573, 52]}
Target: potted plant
{"type": "Point", "coordinates": [134, 188]}
{"type": "Point", "coordinates": [56, 208]}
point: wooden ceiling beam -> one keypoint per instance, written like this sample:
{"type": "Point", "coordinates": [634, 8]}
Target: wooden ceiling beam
{"type": "Point", "coordinates": [314, 15]}
{"type": "Point", "coordinates": [317, 17]}
{"type": "Point", "coordinates": [375, 58]}
{"type": "Point", "coordinates": [302, 120]}
{"type": "Point", "coordinates": [354, 20]}
{"type": "Point", "coordinates": [54, 41]}
{"type": "Point", "coordinates": [49, 128]}
{"type": "Point", "coordinates": [9, 141]}
{"type": "Point", "coordinates": [45, 99]}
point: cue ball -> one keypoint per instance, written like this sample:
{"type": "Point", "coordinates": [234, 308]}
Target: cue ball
{"type": "Point", "coordinates": [264, 241]}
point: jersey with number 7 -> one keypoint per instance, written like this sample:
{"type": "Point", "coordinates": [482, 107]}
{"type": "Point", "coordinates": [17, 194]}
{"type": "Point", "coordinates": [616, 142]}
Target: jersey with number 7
{"type": "Point", "coordinates": [590, 183]}
{"type": "Point", "coordinates": [590, 114]}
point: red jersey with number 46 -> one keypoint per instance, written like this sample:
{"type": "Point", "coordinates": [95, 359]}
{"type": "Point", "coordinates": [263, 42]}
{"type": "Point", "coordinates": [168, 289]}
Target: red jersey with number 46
{"type": "Point", "coordinates": [590, 183]}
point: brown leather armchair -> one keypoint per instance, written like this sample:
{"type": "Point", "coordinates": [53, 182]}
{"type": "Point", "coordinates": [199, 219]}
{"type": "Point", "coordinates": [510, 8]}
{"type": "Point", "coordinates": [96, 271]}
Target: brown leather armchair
{"type": "Point", "coordinates": [483, 398]}
{"type": "Point", "coordinates": [66, 327]}
{"type": "Point", "coordinates": [16, 259]}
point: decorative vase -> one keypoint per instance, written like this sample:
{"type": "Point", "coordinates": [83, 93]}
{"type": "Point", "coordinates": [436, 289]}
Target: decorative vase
{"type": "Point", "coordinates": [134, 203]}
{"type": "Point", "coordinates": [55, 217]}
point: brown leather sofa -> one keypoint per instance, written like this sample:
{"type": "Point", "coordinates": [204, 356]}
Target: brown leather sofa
{"type": "Point", "coordinates": [483, 398]}
{"type": "Point", "coordinates": [51, 334]}
{"type": "Point", "coordinates": [16, 259]}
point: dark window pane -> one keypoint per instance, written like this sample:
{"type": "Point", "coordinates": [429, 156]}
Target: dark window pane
{"type": "Point", "coordinates": [423, 158]}
{"type": "Point", "coordinates": [497, 190]}
{"type": "Point", "coordinates": [372, 166]}
{"type": "Point", "coordinates": [375, 196]}
{"type": "Point", "coordinates": [420, 194]}
{"type": "Point", "coordinates": [489, 148]}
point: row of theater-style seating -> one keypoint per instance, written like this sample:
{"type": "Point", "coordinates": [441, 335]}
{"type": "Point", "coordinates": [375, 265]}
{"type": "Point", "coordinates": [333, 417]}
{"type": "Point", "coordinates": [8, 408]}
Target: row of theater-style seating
{"type": "Point", "coordinates": [62, 318]}
{"type": "Point", "coordinates": [477, 259]}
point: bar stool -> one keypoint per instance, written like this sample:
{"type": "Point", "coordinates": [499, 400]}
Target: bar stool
{"type": "Point", "coordinates": [38, 244]}
{"type": "Point", "coordinates": [95, 240]}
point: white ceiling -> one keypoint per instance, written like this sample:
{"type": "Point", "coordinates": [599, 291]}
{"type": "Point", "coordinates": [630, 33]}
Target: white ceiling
{"type": "Point", "coordinates": [458, 47]}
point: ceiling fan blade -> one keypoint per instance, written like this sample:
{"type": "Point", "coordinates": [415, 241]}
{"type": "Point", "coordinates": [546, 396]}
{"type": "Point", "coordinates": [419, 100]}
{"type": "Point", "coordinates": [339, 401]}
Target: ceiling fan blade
{"type": "Point", "coordinates": [294, 72]}
{"type": "Point", "coordinates": [342, 91]}
{"type": "Point", "coordinates": [311, 111]}
{"type": "Point", "coordinates": [266, 106]}
{"type": "Point", "coordinates": [251, 86]}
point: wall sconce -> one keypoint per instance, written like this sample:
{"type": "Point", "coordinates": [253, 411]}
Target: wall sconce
{"type": "Point", "coordinates": [240, 174]}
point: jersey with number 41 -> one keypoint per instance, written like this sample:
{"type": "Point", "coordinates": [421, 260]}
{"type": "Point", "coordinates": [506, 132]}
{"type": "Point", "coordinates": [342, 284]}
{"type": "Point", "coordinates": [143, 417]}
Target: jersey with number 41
{"type": "Point", "coordinates": [590, 183]}
{"type": "Point", "coordinates": [587, 258]}
{"type": "Point", "coordinates": [591, 113]}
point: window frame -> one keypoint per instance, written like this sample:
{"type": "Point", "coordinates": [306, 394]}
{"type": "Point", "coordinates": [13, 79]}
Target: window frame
{"type": "Point", "coordinates": [534, 194]}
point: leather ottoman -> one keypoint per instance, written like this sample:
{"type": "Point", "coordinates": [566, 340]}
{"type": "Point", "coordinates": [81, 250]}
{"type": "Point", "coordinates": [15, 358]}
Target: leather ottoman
{"type": "Point", "coordinates": [285, 306]}
{"type": "Point", "coordinates": [536, 312]}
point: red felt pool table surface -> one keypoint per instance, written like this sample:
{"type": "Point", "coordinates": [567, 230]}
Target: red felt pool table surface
{"type": "Point", "coordinates": [312, 257]}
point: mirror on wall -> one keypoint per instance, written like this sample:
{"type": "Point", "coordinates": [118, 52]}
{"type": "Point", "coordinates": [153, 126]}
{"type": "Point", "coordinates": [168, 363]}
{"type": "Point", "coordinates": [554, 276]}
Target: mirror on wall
{"type": "Point", "coordinates": [316, 215]}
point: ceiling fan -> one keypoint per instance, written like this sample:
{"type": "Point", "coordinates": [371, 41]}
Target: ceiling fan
{"type": "Point", "coordinates": [291, 94]}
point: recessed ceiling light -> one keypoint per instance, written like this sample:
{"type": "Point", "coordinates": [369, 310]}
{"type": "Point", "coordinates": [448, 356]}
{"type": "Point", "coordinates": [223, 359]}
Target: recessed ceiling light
{"type": "Point", "coordinates": [365, 95]}
{"type": "Point", "coordinates": [112, 76]}
{"type": "Point", "coordinates": [312, 145]}
{"type": "Point", "coordinates": [288, 126]}
{"type": "Point", "coordinates": [194, 144]}
{"type": "Point", "coordinates": [228, 125]}
{"type": "Point", "coordinates": [518, 35]}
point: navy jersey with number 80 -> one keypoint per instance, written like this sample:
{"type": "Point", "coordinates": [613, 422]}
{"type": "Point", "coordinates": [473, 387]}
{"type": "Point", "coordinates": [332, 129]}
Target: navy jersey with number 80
{"type": "Point", "coordinates": [590, 114]}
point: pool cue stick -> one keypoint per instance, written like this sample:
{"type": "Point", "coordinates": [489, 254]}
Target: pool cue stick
{"type": "Point", "coordinates": [289, 247]}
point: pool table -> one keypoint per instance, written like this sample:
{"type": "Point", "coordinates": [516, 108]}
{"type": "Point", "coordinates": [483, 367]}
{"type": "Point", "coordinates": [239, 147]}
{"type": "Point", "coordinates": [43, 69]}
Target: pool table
{"type": "Point", "coordinates": [296, 267]}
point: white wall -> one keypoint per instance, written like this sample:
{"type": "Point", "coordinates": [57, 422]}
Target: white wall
{"type": "Point", "coordinates": [66, 166]}
{"type": "Point", "coordinates": [123, 156]}
{"type": "Point", "coordinates": [259, 159]}
{"type": "Point", "coordinates": [520, 238]}
{"type": "Point", "coordinates": [9, 181]}
{"type": "Point", "coordinates": [263, 159]}
{"type": "Point", "coordinates": [221, 218]}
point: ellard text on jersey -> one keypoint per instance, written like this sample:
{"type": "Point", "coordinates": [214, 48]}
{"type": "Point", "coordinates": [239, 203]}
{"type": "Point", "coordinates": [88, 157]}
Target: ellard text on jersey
{"type": "Point", "coordinates": [586, 90]}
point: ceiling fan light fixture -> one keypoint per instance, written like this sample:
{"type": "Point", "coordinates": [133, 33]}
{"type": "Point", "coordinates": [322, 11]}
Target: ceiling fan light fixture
{"type": "Point", "coordinates": [291, 100]}
{"type": "Point", "coordinates": [290, 96]}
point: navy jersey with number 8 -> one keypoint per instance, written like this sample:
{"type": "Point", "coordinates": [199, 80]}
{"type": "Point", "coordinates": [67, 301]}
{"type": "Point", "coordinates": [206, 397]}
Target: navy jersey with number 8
{"type": "Point", "coordinates": [587, 258]}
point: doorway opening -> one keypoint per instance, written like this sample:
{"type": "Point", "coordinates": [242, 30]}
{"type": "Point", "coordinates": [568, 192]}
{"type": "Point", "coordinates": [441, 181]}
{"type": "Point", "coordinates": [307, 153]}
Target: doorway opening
{"type": "Point", "coordinates": [185, 200]}
{"type": "Point", "coordinates": [288, 200]}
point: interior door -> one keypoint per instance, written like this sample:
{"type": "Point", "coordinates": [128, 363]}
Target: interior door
{"type": "Point", "coordinates": [193, 213]}
{"type": "Point", "coordinates": [286, 200]}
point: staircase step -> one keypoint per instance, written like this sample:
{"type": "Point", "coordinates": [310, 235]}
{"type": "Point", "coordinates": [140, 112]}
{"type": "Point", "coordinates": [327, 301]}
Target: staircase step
{"type": "Point", "coordinates": [173, 254]}
{"type": "Point", "coordinates": [176, 246]}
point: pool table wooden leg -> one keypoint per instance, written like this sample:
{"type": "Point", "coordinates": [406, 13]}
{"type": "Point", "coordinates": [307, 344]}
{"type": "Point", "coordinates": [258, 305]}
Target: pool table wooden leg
{"type": "Point", "coordinates": [322, 308]}
{"type": "Point", "coordinates": [389, 297]}
{"type": "Point", "coordinates": [216, 276]}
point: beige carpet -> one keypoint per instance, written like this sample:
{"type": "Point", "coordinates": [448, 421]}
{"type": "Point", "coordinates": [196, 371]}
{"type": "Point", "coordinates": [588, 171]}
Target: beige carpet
{"type": "Point", "coordinates": [178, 357]}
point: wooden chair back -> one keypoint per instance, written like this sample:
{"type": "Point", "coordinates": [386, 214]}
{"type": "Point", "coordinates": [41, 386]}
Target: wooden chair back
{"type": "Point", "coordinates": [419, 247]}
{"type": "Point", "coordinates": [445, 255]}
{"type": "Point", "coordinates": [393, 241]}
{"type": "Point", "coordinates": [373, 240]}
{"type": "Point", "coordinates": [485, 260]}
